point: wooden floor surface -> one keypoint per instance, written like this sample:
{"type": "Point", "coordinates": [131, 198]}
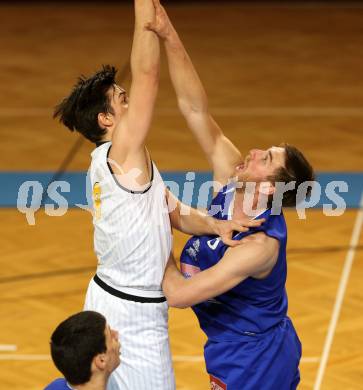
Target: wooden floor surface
{"type": "Point", "coordinates": [273, 74]}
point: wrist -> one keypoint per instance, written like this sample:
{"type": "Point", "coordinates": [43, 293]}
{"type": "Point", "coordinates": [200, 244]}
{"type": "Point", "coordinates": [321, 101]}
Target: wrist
{"type": "Point", "coordinates": [213, 225]}
{"type": "Point", "coordinates": [171, 38]}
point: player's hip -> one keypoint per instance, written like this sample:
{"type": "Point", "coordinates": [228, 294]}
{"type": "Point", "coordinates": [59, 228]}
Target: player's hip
{"type": "Point", "coordinates": [268, 362]}
{"type": "Point", "coordinates": [126, 312]}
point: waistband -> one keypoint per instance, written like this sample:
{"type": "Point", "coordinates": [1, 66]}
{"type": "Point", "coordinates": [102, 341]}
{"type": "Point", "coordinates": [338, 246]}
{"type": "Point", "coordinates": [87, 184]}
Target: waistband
{"type": "Point", "coordinates": [218, 334]}
{"type": "Point", "coordinates": [126, 295]}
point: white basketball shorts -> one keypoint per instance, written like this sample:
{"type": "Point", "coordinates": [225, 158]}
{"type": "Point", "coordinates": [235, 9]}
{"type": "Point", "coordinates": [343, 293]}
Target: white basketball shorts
{"type": "Point", "coordinates": [146, 362]}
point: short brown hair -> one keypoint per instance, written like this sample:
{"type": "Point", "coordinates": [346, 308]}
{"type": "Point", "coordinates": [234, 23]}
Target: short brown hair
{"type": "Point", "coordinates": [79, 111]}
{"type": "Point", "coordinates": [74, 344]}
{"type": "Point", "coordinates": [297, 168]}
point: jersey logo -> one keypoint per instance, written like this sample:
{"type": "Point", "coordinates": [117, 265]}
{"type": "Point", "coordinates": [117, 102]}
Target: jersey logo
{"type": "Point", "coordinates": [97, 200]}
{"type": "Point", "coordinates": [217, 384]}
{"type": "Point", "coordinates": [193, 251]}
{"type": "Point", "coordinates": [213, 243]}
{"type": "Point", "coordinates": [196, 244]}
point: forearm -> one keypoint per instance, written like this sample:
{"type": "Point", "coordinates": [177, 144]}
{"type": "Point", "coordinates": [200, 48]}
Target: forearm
{"type": "Point", "coordinates": [189, 220]}
{"type": "Point", "coordinates": [258, 255]}
{"type": "Point", "coordinates": [183, 292]}
{"type": "Point", "coordinates": [188, 87]}
{"type": "Point", "coordinates": [191, 95]}
{"type": "Point", "coordinates": [196, 222]}
{"type": "Point", "coordinates": [145, 55]}
{"type": "Point", "coordinates": [129, 136]}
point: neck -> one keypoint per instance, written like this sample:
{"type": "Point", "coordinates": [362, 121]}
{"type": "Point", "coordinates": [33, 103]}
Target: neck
{"type": "Point", "coordinates": [246, 207]}
{"type": "Point", "coordinates": [107, 138]}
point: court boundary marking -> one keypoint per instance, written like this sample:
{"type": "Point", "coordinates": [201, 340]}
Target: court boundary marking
{"type": "Point", "coordinates": [8, 347]}
{"type": "Point", "coordinates": [343, 283]}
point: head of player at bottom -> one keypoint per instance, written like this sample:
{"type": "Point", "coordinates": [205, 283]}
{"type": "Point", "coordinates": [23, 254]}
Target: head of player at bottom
{"type": "Point", "coordinates": [95, 106]}
{"type": "Point", "coordinates": [85, 350]}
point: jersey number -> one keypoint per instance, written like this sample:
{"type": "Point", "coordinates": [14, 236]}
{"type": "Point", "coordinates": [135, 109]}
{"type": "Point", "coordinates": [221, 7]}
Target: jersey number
{"type": "Point", "coordinates": [213, 243]}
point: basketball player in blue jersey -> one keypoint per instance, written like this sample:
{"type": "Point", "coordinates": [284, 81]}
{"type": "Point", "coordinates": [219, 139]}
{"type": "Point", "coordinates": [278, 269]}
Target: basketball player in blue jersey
{"type": "Point", "coordinates": [238, 293]}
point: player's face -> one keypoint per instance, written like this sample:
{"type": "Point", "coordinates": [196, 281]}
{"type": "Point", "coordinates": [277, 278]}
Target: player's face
{"type": "Point", "coordinates": [119, 102]}
{"type": "Point", "coordinates": [113, 348]}
{"type": "Point", "coordinates": [260, 164]}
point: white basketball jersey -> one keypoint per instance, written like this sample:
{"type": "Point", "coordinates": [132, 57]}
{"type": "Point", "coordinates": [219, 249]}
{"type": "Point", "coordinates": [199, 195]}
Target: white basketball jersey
{"type": "Point", "coordinates": [132, 236]}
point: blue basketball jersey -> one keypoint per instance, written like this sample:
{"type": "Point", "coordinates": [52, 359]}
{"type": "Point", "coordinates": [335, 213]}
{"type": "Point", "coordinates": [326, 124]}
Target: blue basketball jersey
{"type": "Point", "coordinates": [252, 307]}
{"type": "Point", "coordinates": [58, 384]}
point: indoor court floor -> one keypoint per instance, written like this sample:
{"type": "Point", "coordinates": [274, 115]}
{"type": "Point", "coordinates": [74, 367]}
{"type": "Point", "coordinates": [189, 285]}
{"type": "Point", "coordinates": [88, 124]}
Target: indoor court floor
{"type": "Point", "coordinates": [273, 73]}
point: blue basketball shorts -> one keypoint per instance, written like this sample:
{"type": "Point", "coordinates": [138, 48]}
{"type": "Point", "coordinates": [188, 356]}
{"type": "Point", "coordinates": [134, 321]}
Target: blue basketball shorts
{"type": "Point", "coordinates": [270, 361]}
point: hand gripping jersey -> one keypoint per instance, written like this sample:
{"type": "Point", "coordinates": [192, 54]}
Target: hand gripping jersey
{"type": "Point", "coordinates": [238, 320]}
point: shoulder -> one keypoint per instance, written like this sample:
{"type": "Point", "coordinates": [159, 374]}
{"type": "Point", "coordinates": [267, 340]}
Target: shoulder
{"type": "Point", "coordinates": [256, 252]}
{"type": "Point", "coordinates": [262, 242]}
{"type": "Point", "coordinates": [260, 238]}
{"type": "Point", "coordinates": [102, 149]}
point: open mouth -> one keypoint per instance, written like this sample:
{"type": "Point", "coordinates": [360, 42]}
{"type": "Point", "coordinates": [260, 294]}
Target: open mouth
{"type": "Point", "coordinates": [243, 165]}
{"type": "Point", "coordinates": [240, 167]}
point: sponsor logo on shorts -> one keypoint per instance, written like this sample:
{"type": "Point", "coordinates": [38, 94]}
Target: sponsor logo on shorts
{"type": "Point", "coordinates": [217, 384]}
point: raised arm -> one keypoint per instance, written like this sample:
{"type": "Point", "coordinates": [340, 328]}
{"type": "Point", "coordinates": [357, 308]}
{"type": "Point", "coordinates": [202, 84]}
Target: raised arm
{"type": "Point", "coordinates": [222, 155]}
{"type": "Point", "coordinates": [128, 140]}
{"type": "Point", "coordinates": [254, 257]}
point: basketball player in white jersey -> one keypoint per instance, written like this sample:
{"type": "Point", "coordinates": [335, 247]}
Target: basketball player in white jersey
{"type": "Point", "coordinates": [133, 239]}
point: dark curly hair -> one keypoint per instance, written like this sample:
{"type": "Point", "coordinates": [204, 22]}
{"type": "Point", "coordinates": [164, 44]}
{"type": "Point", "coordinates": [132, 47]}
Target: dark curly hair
{"type": "Point", "coordinates": [79, 111]}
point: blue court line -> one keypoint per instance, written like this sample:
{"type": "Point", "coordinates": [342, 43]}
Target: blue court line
{"type": "Point", "coordinates": [11, 182]}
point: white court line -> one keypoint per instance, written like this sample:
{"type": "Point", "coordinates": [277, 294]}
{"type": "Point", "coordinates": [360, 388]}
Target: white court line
{"type": "Point", "coordinates": [8, 347]}
{"type": "Point", "coordinates": [340, 295]}
{"type": "Point", "coordinates": [218, 111]}
{"type": "Point", "coordinates": [176, 358]}
{"type": "Point", "coordinates": [18, 357]}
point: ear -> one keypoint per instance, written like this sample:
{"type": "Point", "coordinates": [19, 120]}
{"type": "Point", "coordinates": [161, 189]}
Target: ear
{"type": "Point", "coordinates": [99, 362]}
{"type": "Point", "coordinates": [105, 120]}
{"type": "Point", "coordinates": [266, 188]}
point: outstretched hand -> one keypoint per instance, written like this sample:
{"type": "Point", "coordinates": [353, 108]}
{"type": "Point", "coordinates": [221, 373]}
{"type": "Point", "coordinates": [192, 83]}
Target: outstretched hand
{"type": "Point", "coordinates": [225, 229]}
{"type": "Point", "coordinates": [161, 25]}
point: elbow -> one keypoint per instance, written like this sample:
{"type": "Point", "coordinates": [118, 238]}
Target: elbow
{"type": "Point", "coordinates": [149, 71]}
{"type": "Point", "coordinates": [152, 71]}
{"type": "Point", "coordinates": [192, 108]}
{"type": "Point", "coordinates": [177, 301]}
{"type": "Point", "coordinates": [174, 296]}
